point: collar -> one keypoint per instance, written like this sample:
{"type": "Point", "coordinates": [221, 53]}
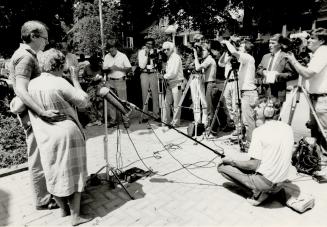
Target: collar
{"type": "Point", "coordinates": [27, 47]}
{"type": "Point", "coordinates": [275, 54]}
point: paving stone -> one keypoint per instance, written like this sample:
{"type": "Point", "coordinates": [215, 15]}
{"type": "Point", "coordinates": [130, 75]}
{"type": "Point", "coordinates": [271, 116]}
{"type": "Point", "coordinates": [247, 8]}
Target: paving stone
{"type": "Point", "coordinates": [177, 199]}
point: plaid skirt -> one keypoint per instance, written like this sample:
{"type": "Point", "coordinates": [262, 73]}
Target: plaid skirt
{"type": "Point", "coordinates": [63, 156]}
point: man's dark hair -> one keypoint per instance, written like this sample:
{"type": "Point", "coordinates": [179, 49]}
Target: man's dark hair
{"type": "Point", "coordinates": [30, 28]}
{"type": "Point", "coordinates": [150, 39]}
{"type": "Point", "coordinates": [277, 37]}
{"type": "Point", "coordinates": [112, 44]}
{"type": "Point", "coordinates": [248, 46]}
{"type": "Point", "coordinates": [321, 34]}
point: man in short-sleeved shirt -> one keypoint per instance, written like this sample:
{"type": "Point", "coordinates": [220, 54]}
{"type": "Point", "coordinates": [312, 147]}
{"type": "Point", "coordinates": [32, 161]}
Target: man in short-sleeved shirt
{"type": "Point", "coordinates": [316, 74]}
{"type": "Point", "coordinates": [116, 64]}
{"type": "Point", "coordinates": [270, 155]}
{"type": "Point", "coordinates": [247, 87]}
{"type": "Point", "coordinates": [24, 66]}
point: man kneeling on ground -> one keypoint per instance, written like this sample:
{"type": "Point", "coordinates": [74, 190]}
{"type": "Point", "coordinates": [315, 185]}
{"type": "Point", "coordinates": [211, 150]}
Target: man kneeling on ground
{"type": "Point", "coordinates": [269, 154]}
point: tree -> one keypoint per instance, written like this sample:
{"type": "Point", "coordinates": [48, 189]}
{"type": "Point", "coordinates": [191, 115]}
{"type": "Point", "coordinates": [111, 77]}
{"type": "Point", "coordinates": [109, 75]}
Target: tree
{"type": "Point", "coordinates": [85, 33]}
{"type": "Point", "coordinates": [14, 13]}
{"type": "Point", "coordinates": [211, 15]}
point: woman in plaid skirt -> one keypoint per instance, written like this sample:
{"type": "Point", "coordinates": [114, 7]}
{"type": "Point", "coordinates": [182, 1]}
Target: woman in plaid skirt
{"type": "Point", "coordinates": [62, 144]}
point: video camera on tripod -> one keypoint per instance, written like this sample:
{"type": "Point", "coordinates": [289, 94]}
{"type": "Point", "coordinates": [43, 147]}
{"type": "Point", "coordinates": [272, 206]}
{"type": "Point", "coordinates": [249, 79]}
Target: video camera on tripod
{"type": "Point", "coordinates": [157, 57]}
{"type": "Point", "coordinates": [297, 44]}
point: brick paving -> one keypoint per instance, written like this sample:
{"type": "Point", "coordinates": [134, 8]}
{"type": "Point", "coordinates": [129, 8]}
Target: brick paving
{"type": "Point", "coordinates": [185, 191]}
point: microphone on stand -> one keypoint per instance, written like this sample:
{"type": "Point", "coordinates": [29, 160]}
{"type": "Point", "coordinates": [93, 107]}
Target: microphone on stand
{"type": "Point", "coordinates": [112, 98]}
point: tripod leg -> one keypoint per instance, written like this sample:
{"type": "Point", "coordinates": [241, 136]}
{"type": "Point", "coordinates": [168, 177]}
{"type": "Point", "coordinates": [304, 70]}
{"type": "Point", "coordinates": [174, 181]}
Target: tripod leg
{"type": "Point", "coordinates": [145, 105]}
{"type": "Point", "coordinates": [121, 184]}
{"type": "Point", "coordinates": [321, 128]}
{"type": "Point", "coordinates": [183, 97]}
{"type": "Point", "coordinates": [161, 96]}
{"type": "Point", "coordinates": [215, 115]}
{"type": "Point", "coordinates": [296, 96]}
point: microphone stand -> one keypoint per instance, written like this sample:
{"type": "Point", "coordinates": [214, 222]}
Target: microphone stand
{"type": "Point", "coordinates": [128, 106]}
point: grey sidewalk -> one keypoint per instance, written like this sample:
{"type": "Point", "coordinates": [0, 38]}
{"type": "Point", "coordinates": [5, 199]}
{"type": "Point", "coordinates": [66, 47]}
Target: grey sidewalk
{"type": "Point", "coordinates": [195, 195]}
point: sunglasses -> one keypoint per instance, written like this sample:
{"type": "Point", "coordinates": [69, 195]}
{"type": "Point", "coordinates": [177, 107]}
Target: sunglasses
{"type": "Point", "coordinates": [166, 49]}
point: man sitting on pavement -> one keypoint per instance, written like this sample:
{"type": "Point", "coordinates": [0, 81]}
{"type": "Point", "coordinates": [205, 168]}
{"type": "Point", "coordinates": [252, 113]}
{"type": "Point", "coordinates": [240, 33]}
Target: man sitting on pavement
{"type": "Point", "coordinates": [269, 155]}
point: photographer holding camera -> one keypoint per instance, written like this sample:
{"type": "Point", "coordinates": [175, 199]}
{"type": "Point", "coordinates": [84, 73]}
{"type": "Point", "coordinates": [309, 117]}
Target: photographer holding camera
{"type": "Point", "coordinates": [209, 68]}
{"type": "Point", "coordinates": [316, 75]}
{"type": "Point", "coordinates": [230, 89]}
{"type": "Point", "coordinates": [247, 87]}
{"type": "Point", "coordinates": [274, 70]}
{"type": "Point", "coordinates": [147, 60]}
{"type": "Point", "coordinates": [269, 156]}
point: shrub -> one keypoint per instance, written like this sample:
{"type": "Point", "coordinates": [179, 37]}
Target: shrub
{"type": "Point", "coordinates": [12, 138]}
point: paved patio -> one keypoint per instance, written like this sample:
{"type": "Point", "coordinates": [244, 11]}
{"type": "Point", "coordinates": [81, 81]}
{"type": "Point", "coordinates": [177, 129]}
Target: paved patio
{"type": "Point", "coordinates": [185, 191]}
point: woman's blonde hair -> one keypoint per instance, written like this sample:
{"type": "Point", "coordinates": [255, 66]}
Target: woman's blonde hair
{"type": "Point", "coordinates": [51, 60]}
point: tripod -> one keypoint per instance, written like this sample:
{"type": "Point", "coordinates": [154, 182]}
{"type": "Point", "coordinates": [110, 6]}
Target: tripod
{"type": "Point", "coordinates": [295, 99]}
{"type": "Point", "coordinates": [240, 126]}
{"type": "Point", "coordinates": [107, 166]}
{"type": "Point", "coordinates": [215, 115]}
{"type": "Point", "coordinates": [194, 78]}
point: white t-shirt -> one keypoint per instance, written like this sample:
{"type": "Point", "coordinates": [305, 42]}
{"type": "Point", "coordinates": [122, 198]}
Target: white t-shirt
{"type": "Point", "coordinates": [210, 68]}
{"type": "Point", "coordinates": [246, 72]}
{"type": "Point", "coordinates": [272, 144]}
{"type": "Point", "coordinates": [318, 64]}
{"type": "Point", "coordinates": [120, 60]}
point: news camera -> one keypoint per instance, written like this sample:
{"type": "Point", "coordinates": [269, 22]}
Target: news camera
{"type": "Point", "coordinates": [297, 45]}
{"type": "Point", "coordinates": [234, 62]}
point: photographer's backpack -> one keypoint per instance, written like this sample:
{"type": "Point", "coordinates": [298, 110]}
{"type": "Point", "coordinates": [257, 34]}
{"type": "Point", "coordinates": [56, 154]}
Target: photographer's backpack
{"type": "Point", "coordinates": [306, 158]}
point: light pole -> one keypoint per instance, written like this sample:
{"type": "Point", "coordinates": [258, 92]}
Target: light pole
{"type": "Point", "coordinates": [101, 28]}
{"type": "Point", "coordinates": [105, 106]}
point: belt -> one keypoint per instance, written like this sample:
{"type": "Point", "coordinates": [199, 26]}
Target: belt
{"type": "Point", "coordinates": [148, 70]}
{"type": "Point", "coordinates": [242, 91]}
{"type": "Point", "coordinates": [316, 96]}
{"type": "Point", "coordinates": [230, 80]}
{"type": "Point", "coordinates": [121, 78]}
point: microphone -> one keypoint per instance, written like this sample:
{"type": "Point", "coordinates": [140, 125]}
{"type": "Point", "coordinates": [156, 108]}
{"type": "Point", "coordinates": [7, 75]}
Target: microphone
{"type": "Point", "coordinates": [113, 99]}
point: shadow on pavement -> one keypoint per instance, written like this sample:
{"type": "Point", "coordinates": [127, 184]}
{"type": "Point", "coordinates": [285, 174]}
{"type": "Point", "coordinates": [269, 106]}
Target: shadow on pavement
{"type": "Point", "coordinates": [4, 208]}
{"type": "Point", "coordinates": [232, 187]}
{"type": "Point", "coordinates": [102, 199]}
{"type": "Point", "coordinates": [276, 200]}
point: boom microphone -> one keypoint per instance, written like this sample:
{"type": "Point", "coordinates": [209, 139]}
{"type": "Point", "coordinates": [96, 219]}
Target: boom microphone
{"type": "Point", "coordinates": [126, 107]}
{"type": "Point", "coordinates": [113, 99]}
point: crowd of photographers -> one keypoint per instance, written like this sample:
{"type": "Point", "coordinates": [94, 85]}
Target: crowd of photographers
{"type": "Point", "coordinates": [222, 75]}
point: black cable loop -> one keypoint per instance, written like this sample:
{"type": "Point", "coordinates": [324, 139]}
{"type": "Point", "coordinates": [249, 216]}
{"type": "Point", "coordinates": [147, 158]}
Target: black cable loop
{"type": "Point", "coordinates": [183, 167]}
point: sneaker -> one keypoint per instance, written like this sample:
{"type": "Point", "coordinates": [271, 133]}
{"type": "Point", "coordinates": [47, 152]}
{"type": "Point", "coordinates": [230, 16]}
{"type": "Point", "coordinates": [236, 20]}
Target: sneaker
{"type": "Point", "coordinates": [98, 123]}
{"type": "Point", "coordinates": [256, 200]}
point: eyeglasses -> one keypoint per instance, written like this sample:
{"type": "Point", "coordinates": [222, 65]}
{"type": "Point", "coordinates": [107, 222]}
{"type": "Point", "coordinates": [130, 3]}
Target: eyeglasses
{"type": "Point", "coordinates": [166, 49]}
{"type": "Point", "coordinates": [45, 38]}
